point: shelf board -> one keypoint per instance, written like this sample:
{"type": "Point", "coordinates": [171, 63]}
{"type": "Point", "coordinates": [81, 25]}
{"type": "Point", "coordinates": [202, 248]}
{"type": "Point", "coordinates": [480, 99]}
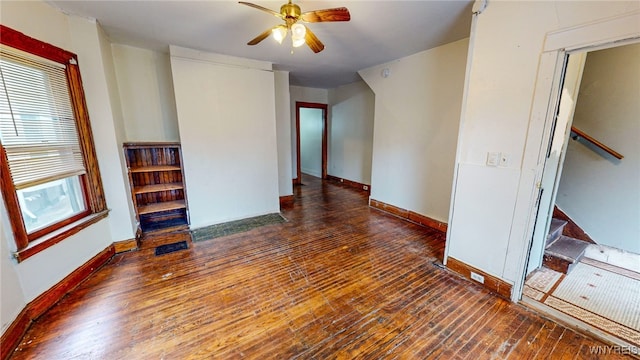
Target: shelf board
{"type": "Point", "coordinates": [157, 188]}
{"type": "Point", "coordinates": [161, 206]}
{"type": "Point", "coordinates": [155, 168]}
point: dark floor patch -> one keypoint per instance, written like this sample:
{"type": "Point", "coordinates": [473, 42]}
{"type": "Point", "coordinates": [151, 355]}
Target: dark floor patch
{"type": "Point", "coordinates": [157, 225]}
{"type": "Point", "coordinates": [234, 227]}
{"type": "Point", "coordinates": [169, 248]}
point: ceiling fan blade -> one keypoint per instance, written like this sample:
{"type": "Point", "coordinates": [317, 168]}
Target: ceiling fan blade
{"type": "Point", "coordinates": [312, 40]}
{"type": "Point", "coordinates": [261, 37]}
{"type": "Point", "coordinates": [274, 13]}
{"type": "Point", "coordinates": [326, 15]}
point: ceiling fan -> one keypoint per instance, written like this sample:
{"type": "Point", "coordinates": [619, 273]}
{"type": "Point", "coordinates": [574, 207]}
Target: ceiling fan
{"type": "Point", "coordinates": [300, 34]}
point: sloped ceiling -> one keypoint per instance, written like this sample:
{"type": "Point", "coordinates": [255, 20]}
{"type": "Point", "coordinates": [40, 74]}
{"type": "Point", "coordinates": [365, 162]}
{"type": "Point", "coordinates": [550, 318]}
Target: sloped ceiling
{"type": "Point", "coordinates": [379, 31]}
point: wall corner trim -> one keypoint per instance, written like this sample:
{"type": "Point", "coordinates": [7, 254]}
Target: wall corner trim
{"type": "Point", "coordinates": [14, 333]}
{"type": "Point", "coordinates": [126, 245]}
{"type": "Point", "coordinates": [286, 200]}
{"type": "Point", "coordinates": [491, 282]}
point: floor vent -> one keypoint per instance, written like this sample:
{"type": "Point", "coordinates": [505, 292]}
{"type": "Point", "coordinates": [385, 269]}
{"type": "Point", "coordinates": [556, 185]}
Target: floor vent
{"type": "Point", "coordinates": [169, 248]}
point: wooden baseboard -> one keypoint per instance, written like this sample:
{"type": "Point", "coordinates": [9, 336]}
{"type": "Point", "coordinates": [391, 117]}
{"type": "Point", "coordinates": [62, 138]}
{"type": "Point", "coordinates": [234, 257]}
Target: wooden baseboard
{"type": "Point", "coordinates": [296, 181]}
{"type": "Point", "coordinates": [492, 283]}
{"type": "Point", "coordinates": [286, 200]}
{"type": "Point", "coordinates": [126, 245]}
{"type": "Point", "coordinates": [394, 210]}
{"type": "Point", "coordinates": [409, 215]}
{"type": "Point", "coordinates": [352, 184]}
{"type": "Point", "coordinates": [427, 221]}
{"type": "Point", "coordinates": [14, 333]}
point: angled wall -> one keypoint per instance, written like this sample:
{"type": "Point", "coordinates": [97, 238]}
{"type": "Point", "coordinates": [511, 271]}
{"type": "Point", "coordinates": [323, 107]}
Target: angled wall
{"type": "Point", "coordinates": [417, 112]}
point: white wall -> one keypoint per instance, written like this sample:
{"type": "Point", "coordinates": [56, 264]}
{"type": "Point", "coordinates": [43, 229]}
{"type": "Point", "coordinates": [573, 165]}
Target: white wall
{"type": "Point", "coordinates": [417, 111]}
{"type": "Point", "coordinates": [227, 120]}
{"type": "Point", "coordinates": [12, 299]}
{"type": "Point", "coordinates": [283, 128]}
{"type": "Point", "coordinates": [23, 282]}
{"type": "Point", "coordinates": [601, 194]}
{"type": "Point", "coordinates": [488, 226]}
{"type": "Point", "coordinates": [302, 94]}
{"type": "Point", "coordinates": [146, 94]}
{"type": "Point", "coordinates": [350, 145]}
{"type": "Point", "coordinates": [98, 77]}
{"type": "Point", "coordinates": [311, 141]}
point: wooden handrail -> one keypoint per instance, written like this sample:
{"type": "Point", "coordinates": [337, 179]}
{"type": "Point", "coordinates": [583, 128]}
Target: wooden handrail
{"type": "Point", "coordinates": [597, 143]}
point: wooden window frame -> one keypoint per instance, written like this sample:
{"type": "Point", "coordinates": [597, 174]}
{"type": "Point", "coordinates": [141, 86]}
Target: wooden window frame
{"type": "Point", "coordinates": [28, 245]}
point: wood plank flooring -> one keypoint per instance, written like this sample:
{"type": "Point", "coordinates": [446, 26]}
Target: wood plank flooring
{"type": "Point", "coordinates": [339, 280]}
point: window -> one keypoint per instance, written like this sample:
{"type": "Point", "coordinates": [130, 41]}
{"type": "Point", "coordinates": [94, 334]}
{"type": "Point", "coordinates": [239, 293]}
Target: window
{"type": "Point", "coordinates": [50, 183]}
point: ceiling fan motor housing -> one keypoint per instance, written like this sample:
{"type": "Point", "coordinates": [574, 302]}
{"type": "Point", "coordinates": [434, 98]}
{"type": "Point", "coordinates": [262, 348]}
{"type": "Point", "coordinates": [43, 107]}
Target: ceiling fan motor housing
{"type": "Point", "coordinates": [290, 11]}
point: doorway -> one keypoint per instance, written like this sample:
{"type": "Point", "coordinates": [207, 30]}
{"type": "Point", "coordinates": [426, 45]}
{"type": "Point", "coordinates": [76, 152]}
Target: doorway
{"type": "Point", "coordinates": [311, 140]}
{"type": "Point", "coordinates": [593, 285]}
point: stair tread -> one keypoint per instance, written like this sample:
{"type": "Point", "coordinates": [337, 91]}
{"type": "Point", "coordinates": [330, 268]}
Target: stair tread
{"type": "Point", "coordinates": [556, 224]}
{"type": "Point", "coordinates": [555, 231]}
{"type": "Point", "coordinates": [567, 248]}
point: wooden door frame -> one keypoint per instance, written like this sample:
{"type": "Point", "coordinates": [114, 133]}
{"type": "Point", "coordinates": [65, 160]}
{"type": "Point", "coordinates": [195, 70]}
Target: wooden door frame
{"type": "Point", "coordinates": [324, 107]}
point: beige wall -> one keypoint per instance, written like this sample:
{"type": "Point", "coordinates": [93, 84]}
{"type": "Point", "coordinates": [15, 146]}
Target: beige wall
{"type": "Point", "coordinates": [599, 192]}
{"type": "Point", "coordinates": [351, 132]}
{"type": "Point", "coordinates": [489, 226]}
{"type": "Point", "coordinates": [96, 66]}
{"type": "Point", "coordinates": [283, 125]}
{"type": "Point", "coordinates": [146, 93]}
{"type": "Point", "coordinates": [417, 110]}
{"type": "Point", "coordinates": [228, 135]}
{"type": "Point", "coordinates": [23, 282]}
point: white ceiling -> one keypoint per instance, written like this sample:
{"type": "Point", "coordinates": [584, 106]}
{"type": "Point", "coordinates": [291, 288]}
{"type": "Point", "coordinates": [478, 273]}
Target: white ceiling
{"type": "Point", "coordinates": [379, 31]}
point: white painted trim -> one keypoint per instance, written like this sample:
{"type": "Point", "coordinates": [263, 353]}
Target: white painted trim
{"type": "Point", "coordinates": [218, 59]}
{"type": "Point", "coordinates": [463, 114]}
{"type": "Point", "coordinates": [602, 32]}
{"type": "Point", "coordinates": [546, 97]}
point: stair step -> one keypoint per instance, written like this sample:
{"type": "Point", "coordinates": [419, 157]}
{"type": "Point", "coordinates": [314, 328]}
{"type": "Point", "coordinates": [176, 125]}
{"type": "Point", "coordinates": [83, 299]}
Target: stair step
{"type": "Point", "coordinates": [563, 253]}
{"type": "Point", "coordinates": [555, 231]}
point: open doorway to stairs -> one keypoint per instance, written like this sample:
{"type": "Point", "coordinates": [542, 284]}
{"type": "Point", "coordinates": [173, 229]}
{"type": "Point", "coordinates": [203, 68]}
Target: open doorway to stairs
{"type": "Point", "coordinates": [584, 260]}
{"type": "Point", "coordinates": [311, 143]}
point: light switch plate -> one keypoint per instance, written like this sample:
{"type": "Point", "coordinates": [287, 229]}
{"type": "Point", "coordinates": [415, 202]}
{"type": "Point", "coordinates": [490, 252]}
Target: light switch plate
{"type": "Point", "coordinates": [493, 158]}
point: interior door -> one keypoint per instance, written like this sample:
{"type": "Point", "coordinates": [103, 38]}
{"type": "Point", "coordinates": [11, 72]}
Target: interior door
{"type": "Point", "coordinates": [555, 156]}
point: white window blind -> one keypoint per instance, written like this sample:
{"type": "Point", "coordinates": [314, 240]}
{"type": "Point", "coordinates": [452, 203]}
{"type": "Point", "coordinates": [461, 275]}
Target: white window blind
{"type": "Point", "coordinates": [37, 124]}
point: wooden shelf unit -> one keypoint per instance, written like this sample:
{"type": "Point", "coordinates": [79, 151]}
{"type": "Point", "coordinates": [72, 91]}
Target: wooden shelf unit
{"type": "Point", "coordinates": [157, 185]}
{"type": "Point", "coordinates": [161, 206]}
{"type": "Point", "coordinates": [153, 168]}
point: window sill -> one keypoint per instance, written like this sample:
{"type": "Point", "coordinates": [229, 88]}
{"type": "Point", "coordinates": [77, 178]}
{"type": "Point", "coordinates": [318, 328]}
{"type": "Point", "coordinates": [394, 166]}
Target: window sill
{"type": "Point", "coordinates": [57, 236]}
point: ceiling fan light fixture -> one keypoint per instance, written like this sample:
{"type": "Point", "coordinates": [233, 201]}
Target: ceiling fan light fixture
{"type": "Point", "coordinates": [290, 13]}
{"type": "Point", "coordinates": [297, 42]}
{"type": "Point", "coordinates": [298, 31]}
{"type": "Point", "coordinates": [279, 33]}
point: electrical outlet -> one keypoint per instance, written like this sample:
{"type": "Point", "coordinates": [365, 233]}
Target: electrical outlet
{"type": "Point", "coordinates": [477, 277]}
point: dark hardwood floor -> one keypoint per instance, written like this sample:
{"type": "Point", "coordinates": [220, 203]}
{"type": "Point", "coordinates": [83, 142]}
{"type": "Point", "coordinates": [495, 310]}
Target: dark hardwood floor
{"type": "Point", "coordinates": [339, 280]}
